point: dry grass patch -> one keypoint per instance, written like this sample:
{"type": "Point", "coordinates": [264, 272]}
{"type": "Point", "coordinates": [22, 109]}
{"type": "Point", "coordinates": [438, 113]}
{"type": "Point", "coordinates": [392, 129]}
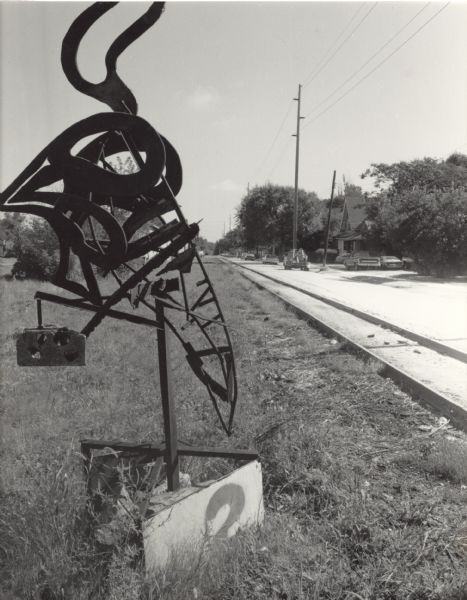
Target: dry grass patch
{"type": "Point", "coordinates": [360, 502]}
{"type": "Point", "coordinates": [448, 460]}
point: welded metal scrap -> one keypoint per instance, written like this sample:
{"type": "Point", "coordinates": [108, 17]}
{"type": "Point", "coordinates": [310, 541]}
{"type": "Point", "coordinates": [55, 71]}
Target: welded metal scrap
{"type": "Point", "coordinates": [109, 220]}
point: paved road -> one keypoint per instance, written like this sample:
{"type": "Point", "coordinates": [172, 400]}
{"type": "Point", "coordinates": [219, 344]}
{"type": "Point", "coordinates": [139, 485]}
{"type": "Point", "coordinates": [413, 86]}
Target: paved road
{"type": "Point", "coordinates": [428, 307]}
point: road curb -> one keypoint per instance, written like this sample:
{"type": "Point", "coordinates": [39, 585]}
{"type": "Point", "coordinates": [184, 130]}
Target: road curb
{"type": "Point", "coordinates": [422, 393]}
{"type": "Point", "coordinates": [415, 337]}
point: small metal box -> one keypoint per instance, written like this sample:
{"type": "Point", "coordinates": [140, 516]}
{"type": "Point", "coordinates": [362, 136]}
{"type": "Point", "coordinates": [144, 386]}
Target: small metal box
{"type": "Point", "coordinates": [50, 347]}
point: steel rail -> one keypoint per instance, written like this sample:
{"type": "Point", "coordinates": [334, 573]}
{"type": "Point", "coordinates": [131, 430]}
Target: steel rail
{"type": "Point", "coordinates": [422, 393]}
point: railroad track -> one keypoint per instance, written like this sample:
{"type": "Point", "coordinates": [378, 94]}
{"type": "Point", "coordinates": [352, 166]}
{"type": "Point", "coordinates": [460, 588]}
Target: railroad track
{"type": "Point", "coordinates": [434, 374]}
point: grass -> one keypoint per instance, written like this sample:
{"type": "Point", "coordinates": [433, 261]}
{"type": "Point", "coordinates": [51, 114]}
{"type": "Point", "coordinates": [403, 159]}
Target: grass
{"type": "Point", "coordinates": [365, 497]}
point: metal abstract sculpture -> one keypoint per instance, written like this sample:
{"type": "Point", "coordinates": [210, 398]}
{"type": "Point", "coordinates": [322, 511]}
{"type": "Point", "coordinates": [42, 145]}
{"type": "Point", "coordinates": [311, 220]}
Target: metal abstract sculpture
{"type": "Point", "coordinates": [87, 219]}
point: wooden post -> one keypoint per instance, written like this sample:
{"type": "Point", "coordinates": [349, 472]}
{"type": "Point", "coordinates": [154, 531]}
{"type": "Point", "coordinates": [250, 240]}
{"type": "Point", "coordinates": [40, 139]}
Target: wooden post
{"type": "Point", "coordinates": [325, 255]}
{"type": "Point", "coordinates": [168, 402]}
{"type": "Point", "coordinates": [297, 150]}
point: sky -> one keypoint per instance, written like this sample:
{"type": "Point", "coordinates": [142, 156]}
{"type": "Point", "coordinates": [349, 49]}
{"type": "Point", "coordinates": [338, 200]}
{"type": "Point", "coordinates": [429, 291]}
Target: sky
{"type": "Point", "coordinates": [218, 80]}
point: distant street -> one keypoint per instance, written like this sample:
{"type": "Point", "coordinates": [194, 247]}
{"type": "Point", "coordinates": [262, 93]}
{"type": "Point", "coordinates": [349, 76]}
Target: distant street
{"type": "Point", "coordinates": [424, 305]}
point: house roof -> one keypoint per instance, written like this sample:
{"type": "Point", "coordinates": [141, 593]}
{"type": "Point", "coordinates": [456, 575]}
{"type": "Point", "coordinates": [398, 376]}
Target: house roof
{"type": "Point", "coordinates": [349, 235]}
{"type": "Point", "coordinates": [355, 210]}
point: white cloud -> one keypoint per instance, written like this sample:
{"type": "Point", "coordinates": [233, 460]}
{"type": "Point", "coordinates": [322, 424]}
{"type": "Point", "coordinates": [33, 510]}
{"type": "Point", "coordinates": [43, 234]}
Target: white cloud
{"type": "Point", "coordinates": [227, 186]}
{"type": "Point", "coordinates": [203, 98]}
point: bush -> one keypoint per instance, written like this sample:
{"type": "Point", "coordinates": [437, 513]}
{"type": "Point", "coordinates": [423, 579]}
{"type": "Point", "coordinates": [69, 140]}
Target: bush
{"type": "Point", "coordinates": [37, 250]}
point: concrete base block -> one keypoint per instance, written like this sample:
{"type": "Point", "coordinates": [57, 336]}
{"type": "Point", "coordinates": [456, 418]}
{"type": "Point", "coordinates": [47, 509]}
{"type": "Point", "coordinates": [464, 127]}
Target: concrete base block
{"type": "Point", "coordinates": [182, 521]}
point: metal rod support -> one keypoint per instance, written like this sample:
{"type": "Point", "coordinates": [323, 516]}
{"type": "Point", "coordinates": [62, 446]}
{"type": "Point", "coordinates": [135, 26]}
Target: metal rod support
{"type": "Point", "coordinates": [39, 313]}
{"type": "Point", "coordinates": [168, 402]}
{"type": "Point", "coordinates": [116, 314]}
{"type": "Point", "coordinates": [153, 450]}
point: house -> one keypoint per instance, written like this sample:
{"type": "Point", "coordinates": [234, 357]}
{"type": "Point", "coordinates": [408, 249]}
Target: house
{"type": "Point", "coordinates": [354, 223]}
{"type": "Point", "coordinates": [315, 239]}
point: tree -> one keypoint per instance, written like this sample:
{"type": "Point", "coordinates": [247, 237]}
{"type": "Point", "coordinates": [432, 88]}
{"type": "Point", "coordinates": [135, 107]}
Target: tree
{"type": "Point", "coordinates": [36, 249]}
{"type": "Point", "coordinates": [204, 245]}
{"type": "Point", "coordinates": [266, 216]}
{"type": "Point", "coordinates": [10, 226]}
{"type": "Point", "coordinates": [428, 174]}
{"type": "Point", "coordinates": [233, 240]}
{"type": "Point", "coordinates": [458, 160]}
{"type": "Point", "coordinates": [430, 227]}
{"type": "Point", "coordinates": [421, 210]}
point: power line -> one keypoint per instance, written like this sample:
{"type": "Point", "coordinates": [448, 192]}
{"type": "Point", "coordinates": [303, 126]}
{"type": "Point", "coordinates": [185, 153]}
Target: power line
{"type": "Point", "coordinates": [266, 156]}
{"type": "Point", "coordinates": [370, 59]}
{"type": "Point", "coordinates": [261, 164]}
{"type": "Point", "coordinates": [313, 77]}
{"type": "Point", "coordinates": [377, 66]}
{"type": "Point", "coordinates": [335, 41]}
{"type": "Point", "coordinates": [286, 147]}
{"type": "Point", "coordinates": [263, 161]}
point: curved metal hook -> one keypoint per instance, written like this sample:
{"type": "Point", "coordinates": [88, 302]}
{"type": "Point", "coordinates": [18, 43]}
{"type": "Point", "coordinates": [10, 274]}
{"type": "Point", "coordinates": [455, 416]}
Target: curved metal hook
{"type": "Point", "coordinates": [112, 90]}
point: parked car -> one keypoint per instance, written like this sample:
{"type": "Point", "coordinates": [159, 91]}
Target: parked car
{"type": "Point", "coordinates": [408, 263]}
{"type": "Point", "coordinates": [390, 262]}
{"type": "Point", "coordinates": [296, 259]}
{"type": "Point", "coordinates": [356, 262]}
{"type": "Point", "coordinates": [249, 256]}
{"type": "Point", "coordinates": [340, 259]}
{"type": "Point", "coordinates": [270, 259]}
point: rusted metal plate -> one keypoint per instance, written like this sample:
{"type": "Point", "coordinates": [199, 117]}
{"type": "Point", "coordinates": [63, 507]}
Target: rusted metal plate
{"type": "Point", "coordinates": [50, 347]}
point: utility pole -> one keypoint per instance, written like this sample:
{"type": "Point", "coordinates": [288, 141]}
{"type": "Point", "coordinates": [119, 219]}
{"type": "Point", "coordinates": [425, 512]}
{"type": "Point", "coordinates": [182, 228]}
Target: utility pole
{"type": "Point", "coordinates": [297, 151]}
{"type": "Point", "coordinates": [325, 255]}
